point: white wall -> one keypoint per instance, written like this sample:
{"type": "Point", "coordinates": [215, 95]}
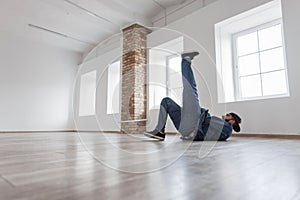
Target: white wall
{"type": "Point", "coordinates": [279, 115]}
{"type": "Point", "coordinates": [36, 84]}
{"type": "Point", "coordinates": [260, 116]}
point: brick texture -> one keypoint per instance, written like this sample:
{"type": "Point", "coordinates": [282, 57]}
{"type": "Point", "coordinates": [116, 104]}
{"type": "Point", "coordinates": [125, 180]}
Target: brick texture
{"type": "Point", "coordinates": [134, 79]}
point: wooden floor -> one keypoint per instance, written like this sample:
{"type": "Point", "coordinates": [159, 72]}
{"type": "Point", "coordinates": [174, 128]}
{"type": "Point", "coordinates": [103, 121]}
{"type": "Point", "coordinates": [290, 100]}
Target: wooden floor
{"type": "Point", "coordinates": [114, 166]}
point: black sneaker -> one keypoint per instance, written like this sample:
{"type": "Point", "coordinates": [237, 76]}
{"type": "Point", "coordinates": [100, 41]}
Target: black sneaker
{"type": "Point", "coordinates": [198, 138]}
{"type": "Point", "coordinates": [190, 55]}
{"type": "Point", "coordinates": [155, 134]}
{"type": "Point", "coordinates": [192, 137]}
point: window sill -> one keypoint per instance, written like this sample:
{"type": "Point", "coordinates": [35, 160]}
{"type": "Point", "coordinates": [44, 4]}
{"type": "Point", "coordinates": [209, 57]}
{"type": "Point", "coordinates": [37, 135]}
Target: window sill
{"type": "Point", "coordinates": [257, 98]}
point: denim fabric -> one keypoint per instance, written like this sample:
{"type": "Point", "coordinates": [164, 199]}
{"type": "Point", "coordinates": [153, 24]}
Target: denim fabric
{"type": "Point", "coordinates": [168, 106]}
{"type": "Point", "coordinates": [185, 119]}
{"type": "Point", "coordinates": [191, 119]}
{"type": "Point", "coordinates": [190, 113]}
{"type": "Point", "coordinates": [214, 128]}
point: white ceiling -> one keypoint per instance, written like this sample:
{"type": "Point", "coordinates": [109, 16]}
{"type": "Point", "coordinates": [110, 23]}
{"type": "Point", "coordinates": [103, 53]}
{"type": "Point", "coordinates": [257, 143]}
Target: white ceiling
{"type": "Point", "coordinates": [84, 23]}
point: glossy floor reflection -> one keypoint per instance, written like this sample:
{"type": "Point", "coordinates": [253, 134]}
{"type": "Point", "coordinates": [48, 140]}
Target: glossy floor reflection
{"type": "Point", "coordinates": [115, 166]}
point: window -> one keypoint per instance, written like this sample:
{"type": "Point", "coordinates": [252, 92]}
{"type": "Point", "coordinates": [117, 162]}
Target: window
{"type": "Point", "coordinates": [113, 88]}
{"type": "Point", "coordinates": [157, 78]}
{"type": "Point", "coordinates": [259, 59]}
{"type": "Point", "coordinates": [87, 94]}
{"type": "Point", "coordinates": [167, 81]}
{"type": "Point", "coordinates": [250, 56]}
{"type": "Point", "coordinates": [174, 83]}
{"type": "Point", "coordinates": [165, 72]}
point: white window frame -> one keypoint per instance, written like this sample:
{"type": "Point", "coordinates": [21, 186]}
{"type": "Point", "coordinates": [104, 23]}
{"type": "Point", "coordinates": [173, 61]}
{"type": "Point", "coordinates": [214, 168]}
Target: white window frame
{"type": "Point", "coordinates": [166, 85]}
{"type": "Point", "coordinates": [168, 78]}
{"type": "Point", "coordinates": [87, 95]}
{"type": "Point", "coordinates": [165, 50]}
{"type": "Point", "coordinates": [109, 104]}
{"type": "Point", "coordinates": [237, 84]}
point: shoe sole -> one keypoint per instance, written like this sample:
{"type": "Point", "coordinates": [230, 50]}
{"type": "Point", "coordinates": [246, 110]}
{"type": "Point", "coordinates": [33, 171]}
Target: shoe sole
{"type": "Point", "coordinates": [153, 136]}
{"type": "Point", "coordinates": [186, 138]}
{"type": "Point", "coordinates": [192, 55]}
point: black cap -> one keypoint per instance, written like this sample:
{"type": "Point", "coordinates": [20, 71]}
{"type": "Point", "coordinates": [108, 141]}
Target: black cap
{"type": "Point", "coordinates": [238, 120]}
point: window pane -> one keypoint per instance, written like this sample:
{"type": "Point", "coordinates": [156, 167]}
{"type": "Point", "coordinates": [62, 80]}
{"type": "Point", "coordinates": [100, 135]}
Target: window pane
{"type": "Point", "coordinates": [87, 94]}
{"type": "Point", "coordinates": [113, 88]}
{"type": "Point", "coordinates": [249, 65]}
{"type": "Point", "coordinates": [175, 81]}
{"type": "Point", "coordinates": [270, 37]}
{"type": "Point", "coordinates": [156, 94]}
{"type": "Point", "coordinates": [176, 95]}
{"type": "Point", "coordinates": [157, 79]}
{"type": "Point", "coordinates": [274, 83]}
{"type": "Point", "coordinates": [250, 86]}
{"type": "Point", "coordinates": [175, 65]}
{"type": "Point", "coordinates": [272, 60]}
{"type": "Point", "coordinates": [247, 44]}
{"type": "Point", "coordinates": [174, 78]}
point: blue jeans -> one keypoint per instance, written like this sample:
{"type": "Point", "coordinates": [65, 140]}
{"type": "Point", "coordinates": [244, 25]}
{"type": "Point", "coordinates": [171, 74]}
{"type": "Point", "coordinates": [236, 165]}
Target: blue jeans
{"type": "Point", "coordinates": [185, 118]}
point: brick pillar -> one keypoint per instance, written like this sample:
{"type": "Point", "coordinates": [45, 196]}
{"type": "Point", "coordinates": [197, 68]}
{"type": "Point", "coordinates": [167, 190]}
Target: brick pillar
{"type": "Point", "coordinates": [134, 79]}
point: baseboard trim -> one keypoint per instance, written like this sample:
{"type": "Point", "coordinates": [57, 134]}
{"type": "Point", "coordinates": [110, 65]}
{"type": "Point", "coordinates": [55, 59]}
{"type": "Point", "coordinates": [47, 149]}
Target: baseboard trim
{"type": "Point", "coordinates": [267, 135]}
{"type": "Point", "coordinates": [172, 133]}
{"type": "Point", "coordinates": [87, 131]}
{"type": "Point", "coordinates": [60, 131]}
{"type": "Point", "coordinates": [56, 131]}
{"type": "Point", "coordinates": [255, 135]}
{"type": "Point", "coordinates": [259, 135]}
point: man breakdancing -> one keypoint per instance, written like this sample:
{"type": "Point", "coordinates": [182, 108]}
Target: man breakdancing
{"type": "Point", "coordinates": [192, 121]}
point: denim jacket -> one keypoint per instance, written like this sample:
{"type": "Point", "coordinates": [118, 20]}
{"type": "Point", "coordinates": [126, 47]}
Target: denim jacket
{"type": "Point", "coordinates": [212, 127]}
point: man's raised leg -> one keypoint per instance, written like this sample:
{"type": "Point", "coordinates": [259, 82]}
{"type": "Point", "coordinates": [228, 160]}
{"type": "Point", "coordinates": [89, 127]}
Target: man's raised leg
{"type": "Point", "coordinates": [191, 110]}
